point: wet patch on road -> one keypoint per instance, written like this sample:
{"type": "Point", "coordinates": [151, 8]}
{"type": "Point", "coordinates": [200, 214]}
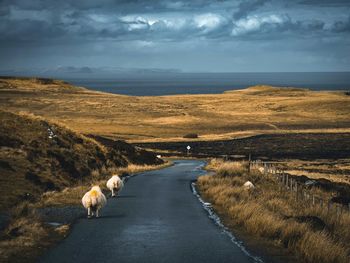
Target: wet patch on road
{"type": "Point", "coordinates": [216, 219]}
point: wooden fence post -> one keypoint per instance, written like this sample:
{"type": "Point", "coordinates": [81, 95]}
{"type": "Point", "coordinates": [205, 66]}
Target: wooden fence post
{"type": "Point", "coordinates": [281, 176]}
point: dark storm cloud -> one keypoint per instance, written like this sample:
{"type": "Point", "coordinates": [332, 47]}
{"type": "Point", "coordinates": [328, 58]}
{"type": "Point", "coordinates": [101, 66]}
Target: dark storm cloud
{"type": "Point", "coordinates": [103, 19]}
{"type": "Point", "coordinates": [126, 28]}
{"type": "Point", "coordinates": [27, 29]}
{"type": "Point", "coordinates": [246, 7]}
{"type": "Point", "coordinates": [87, 20]}
{"type": "Point", "coordinates": [4, 10]}
{"type": "Point", "coordinates": [326, 2]}
{"type": "Point", "coordinates": [342, 26]}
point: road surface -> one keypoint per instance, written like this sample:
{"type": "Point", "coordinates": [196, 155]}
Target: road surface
{"type": "Point", "coordinates": [156, 218]}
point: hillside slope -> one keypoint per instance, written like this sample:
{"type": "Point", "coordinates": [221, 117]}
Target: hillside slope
{"type": "Point", "coordinates": [37, 156]}
{"type": "Point", "coordinates": [238, 113]}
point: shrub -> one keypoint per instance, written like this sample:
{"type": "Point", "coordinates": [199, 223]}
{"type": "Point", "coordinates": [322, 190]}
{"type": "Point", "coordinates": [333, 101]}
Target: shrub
{"type": "Point", "coordinates": [319, 247]}
{"type": "Point", "coordinates": [231, 169]}
{"type": "Point", "coordinates": [191, 136]}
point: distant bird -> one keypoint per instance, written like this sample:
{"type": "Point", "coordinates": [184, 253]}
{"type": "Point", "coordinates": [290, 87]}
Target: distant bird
{"type": "Point", "coordinates": [248, 185]}
{"type": "Point", "coordinates": [115, 184]}
{"type": "Point", "coordinates": [93, 201]}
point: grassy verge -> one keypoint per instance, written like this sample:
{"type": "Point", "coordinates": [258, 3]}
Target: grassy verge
{"type": "Point", "coordinates": [73, 195]}
{"type": "Point", "coordinates": [273, 214]}
{"type": "Point", "coordinates": [27, 235]}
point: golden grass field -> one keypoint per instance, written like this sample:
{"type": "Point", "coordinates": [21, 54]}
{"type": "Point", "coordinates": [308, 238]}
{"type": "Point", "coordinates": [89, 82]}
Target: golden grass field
{"type": "Point", "coordinates": [256, 110]}
{"type": "Point", "coordinates": [272, 214]}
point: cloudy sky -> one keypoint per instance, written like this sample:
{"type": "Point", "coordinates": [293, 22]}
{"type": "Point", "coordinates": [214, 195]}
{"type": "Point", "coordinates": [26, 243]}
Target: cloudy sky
{"type": "Point", "coordinates": [189, 36]}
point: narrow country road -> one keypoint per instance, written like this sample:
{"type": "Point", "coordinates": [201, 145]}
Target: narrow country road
{"type": "Point", "coordinates": [156, 218]}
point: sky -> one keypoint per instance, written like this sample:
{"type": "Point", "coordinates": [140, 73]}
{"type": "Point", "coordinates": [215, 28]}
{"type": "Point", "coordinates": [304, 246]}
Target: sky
{"type": "Point", "coordinates": [90, 36]}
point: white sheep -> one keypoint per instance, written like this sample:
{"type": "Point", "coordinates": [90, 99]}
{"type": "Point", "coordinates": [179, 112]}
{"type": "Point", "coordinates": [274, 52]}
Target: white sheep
{"type": "Point", "coordinates": [115, 184]}
{"type": "Point", "coordinates": [248, 185]}
{"type": "Point", "coordinates": [261, 170]}
{"type": "Point", "coordinates": [93, 201]}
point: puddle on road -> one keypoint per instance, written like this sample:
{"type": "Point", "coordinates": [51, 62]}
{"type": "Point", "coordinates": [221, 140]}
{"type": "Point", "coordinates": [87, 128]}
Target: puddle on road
{"type": "Point", "coordinates": [213, 216]}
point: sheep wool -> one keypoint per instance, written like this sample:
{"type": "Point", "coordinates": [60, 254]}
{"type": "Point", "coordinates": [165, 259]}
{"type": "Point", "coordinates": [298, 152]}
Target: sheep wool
{"type": "Point", "coordinates": [94, 200]}
{"type": "Point", "coordinates": [115, 184]}
{"type": "Point", "coordinates": [248, 185]}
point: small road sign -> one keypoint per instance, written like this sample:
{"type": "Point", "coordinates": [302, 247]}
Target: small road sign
{"type": "Point", "coordinates": [188, 149]}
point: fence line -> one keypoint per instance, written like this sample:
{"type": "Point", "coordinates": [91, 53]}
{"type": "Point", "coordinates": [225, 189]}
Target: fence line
{"type": "Point", "coordinates": [301, 191]}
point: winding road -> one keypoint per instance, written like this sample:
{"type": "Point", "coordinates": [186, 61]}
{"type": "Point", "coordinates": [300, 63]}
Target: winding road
{"type": "Point", "coordinates": [156, 218]}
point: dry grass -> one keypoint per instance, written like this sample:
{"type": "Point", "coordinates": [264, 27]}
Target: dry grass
{"type": "Point", "coordinates": [134, 168]}
{"type": "Point", "coordinates": [333, 170]}
{"type": "Point", "coordinates": [232, 169]}
{"type": "Point", "coordinates": [33, 161]}
{"type": "Point", "coordinates": [273, 214]}
{"type": "Point", "coordinates": [26, 235]}
{"type": "Point", "coordinates": [241, 113]}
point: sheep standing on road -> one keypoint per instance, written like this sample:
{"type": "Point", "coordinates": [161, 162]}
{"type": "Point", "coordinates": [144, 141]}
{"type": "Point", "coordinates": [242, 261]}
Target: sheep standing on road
{"type": "Point", "coordinates": [93, 201]}
{"type": "Point", "coordinates": [115, 184]}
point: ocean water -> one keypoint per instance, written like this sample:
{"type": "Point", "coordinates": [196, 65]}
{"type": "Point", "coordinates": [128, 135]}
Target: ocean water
{"type": "Point", "coordinates": [209, 83]}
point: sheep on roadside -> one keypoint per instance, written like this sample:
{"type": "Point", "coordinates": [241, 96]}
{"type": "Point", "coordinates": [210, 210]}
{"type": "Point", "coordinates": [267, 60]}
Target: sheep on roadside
{"type": "Point", "coordinates": [248, 185]}
{"type": "Point", "coordinates": [115, 184]}
{"type": "Point", "coordinates": [261, 170]}
{"type": "Point", "coordinates": [93, 201]}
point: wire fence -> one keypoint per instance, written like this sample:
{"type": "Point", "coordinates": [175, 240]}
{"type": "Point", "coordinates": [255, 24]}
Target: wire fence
{"type": "Point", "coordinates": [301, 190]}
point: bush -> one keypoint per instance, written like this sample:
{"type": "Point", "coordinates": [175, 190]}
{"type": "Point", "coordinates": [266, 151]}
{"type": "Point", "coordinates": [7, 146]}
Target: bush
{"type": "Point", "coordinates": [191, 136]}
{"type": "Point", "coordinates": [231, 169]}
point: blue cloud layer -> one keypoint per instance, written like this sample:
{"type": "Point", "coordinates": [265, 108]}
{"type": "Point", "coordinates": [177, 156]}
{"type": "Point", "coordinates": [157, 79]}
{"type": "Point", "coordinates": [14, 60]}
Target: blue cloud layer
{"type": "Point", "coordinates": [96, 25]}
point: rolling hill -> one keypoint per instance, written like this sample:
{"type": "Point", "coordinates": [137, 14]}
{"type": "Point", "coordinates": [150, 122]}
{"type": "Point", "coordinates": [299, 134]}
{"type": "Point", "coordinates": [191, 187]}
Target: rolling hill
{"type": "Point", "coordinates": [37, 156]}
{"type": "Point", "coordinates": [234, 114]}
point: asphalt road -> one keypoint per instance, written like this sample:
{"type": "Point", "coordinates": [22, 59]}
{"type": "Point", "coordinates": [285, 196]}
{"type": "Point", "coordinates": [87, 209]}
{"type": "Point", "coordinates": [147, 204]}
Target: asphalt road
{"type": "Point", "coordinates": [156, 218]}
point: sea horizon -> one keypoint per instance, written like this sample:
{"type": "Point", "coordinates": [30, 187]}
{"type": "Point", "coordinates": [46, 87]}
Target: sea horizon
{"type": "Point", "coordinates": [157, 84]}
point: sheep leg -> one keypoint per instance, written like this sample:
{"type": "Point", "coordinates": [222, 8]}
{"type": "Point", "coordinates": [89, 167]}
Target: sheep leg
{"type": "Point", "coordinates": [89, 212]}
{"type": "Point", "coordinates": [97, 215]}
{"type": "Point", "coordinates": [113, 194]}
